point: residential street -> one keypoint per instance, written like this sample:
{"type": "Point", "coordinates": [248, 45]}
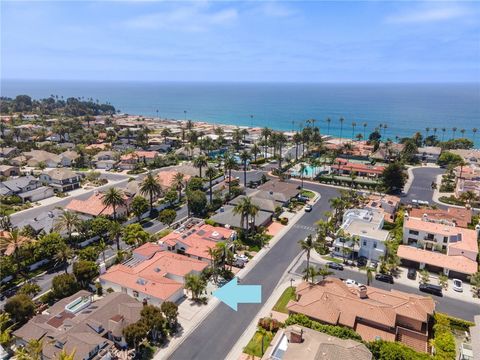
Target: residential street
{"type": "Point", "coordinates": [421, 188]}
{"type": "Point", "coordinates": [221, 329]}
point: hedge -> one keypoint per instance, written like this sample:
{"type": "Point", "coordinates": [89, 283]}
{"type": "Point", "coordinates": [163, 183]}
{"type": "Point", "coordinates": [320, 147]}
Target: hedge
{"type": "Point", "coordinates": [386, 350]}
{"type": "Point", "coordinates": [443, 341]}
{"type": "Point", "coordinates": [347, 183]}
{"type": "Point", "coordinates": [456, 323]}
{"type": "Point", "coordinates": [333, 330]}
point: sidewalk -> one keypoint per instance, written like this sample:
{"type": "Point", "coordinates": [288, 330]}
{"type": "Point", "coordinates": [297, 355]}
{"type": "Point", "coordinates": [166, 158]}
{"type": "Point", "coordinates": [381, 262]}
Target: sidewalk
{"type": "Point", "coordinates": [466, 295]}
{"type": "Point", "coordinates": [193, 315]}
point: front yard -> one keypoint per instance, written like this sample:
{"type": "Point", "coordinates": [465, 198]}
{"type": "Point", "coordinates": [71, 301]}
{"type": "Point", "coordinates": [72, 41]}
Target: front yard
{"type": "Point", "coordinates": [254, 347]}
{"type": "Point", "coordinates": [281, 305]}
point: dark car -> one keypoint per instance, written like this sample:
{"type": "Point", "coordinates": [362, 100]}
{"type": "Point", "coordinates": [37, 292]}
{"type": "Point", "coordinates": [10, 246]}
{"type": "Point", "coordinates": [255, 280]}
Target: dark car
{"type": "Point", "coordinates": [334, 265]}
{"type": "Point", "coordinates": [412, 274]}
{"type": "Point", "coordinates": [431, 289]}
{"type": "Point", "coordinates": [362, 261]}
{"type": "Point", "coordinates": [385, 278]}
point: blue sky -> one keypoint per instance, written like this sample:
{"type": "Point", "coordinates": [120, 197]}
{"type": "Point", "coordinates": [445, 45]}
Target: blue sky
{"type": "Point", "coordinates": [315, 41]}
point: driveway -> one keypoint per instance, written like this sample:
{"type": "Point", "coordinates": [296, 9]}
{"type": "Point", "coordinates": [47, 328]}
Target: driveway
{"type": "Point", "coordinates": [421, 188]}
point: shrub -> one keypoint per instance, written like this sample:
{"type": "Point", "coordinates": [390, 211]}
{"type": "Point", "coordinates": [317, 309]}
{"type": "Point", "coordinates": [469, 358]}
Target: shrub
{"type": "Point", "coordinates": [210, 222]}
{"type": "Point", "coordinates": [284, 221]}
{"type": "Point", "coordinates": [456, 323]}
{"type": "Point", "coordinates": [443, 341]}
{"type": "Point", "coordinates": [385, 350]}
{"type": "Point", "coordinates": [270, 324]}
{"type": "Point", "coordinates": [333, 330]}
{"type": "Point", "coordinates": [110, 290]}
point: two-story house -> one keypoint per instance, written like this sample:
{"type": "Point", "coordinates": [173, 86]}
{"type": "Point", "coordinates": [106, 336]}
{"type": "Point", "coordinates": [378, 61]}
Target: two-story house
{"type": "Point", "coordinates": [61, 180]}
{"type": "Point", "coordinates": [28, 188]}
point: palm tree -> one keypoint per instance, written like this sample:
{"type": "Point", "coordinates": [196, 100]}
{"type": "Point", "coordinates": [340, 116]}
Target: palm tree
{"type": "Point", "coordinates": [266, 133]}
{"type": "Point", "coordinates": [474, 131]}
{"type": "Point", "coordinates": [165, 133]}
{"type": "Point", "coordinates": [66, 356]}
{"type": "Point", "coordinates": [32, 351]}
{"type": "Point", "coordinates": [210, 174]}
{"type": "Point", "coordinates": [324, 272]}
{"type": "Point", "coordinates": [427, 130]}
{"type": "Point", "coordinates": [443, 133]}
{"type": "Point", "coordinates": [114, 198]}
{"type": "Point", "coordinates": [64, 255]}
{"type": "Point", "coordinates": [229, 164]}
{"type": "Point", "coordinates": [213, 254]}
{"type": "Point", "coordinates": [102, 247]}
{"type": "Point", "coordinates": [245, 157]}
{"type": "Point", "coordinates": [12, 240]}
{"type": "Point", "coordinates": [68, 221]}
{"type": "Point", "coordinates": [246, 208]}
{"type": "Point", "coordinates": [454, 130]}
{"type": "Point", "coordinates": [297, 139]}
{"type": "Point", "coordinates": [200, 162]}
{"type": "Point", "coordinates": [354, 124]}
{"type": "Point", "coordinates": [5, 329]}
{"type": "Point", "coordinates": [364, 129]}
{"type": "Point", "coordinates": [114, 233]}
{"type": "Point", "coordinates": [303, 169]}
{"type": "Point", "coordinates": [150, 187]}
{"type": "Point", "coordinates": [195, 284]}
{"type": "Point", "coordinates": [462, 131]}
{"type": "Point", "coordinates": [308, 244]}
{"type": "Point", "coordinates": [309, 273]}
{"type": "Point", "coordinates": [341, 127]}
{"type": "Point", "coordinates": [255, 151]}
{"type": "Point", "coordinates": [178, 184]}
{"type": "Point", "coordinates": [328, 125]}
{"type": "Point", "coordinates": [281, 140]}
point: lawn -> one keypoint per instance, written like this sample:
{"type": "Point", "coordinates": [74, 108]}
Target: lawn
{"type": "Point", "coordinates": [281, 305]}
{"type": "Point", "coordinates": [332, 259]}
{"type": "Point", "coordinates": [307, 193]}
{"type": "Point", "coordinates": [254, 347]}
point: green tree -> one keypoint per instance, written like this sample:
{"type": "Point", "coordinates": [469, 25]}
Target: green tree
{"type": "Point", "coordinates": [195, 284]}
{"type": "Point", "coordinates": [49, 245]}
{"type": "Point", "coordinates": [114, 232]}
{"type": "Point", "coordinates": [150, 187]}
{"type": "Point", "coordinates": [114, 198]}
{"type": "Point", "coordinates": [68, 221]}
{"type": "Point", "coordinates": [63, 256]}
{"type": "Point", "coordinates": [424, 276]}
{"type": "Point", "coordinates": [210, 173]}
{"type": "Point", "coordinates": [134, 234]}
{"type": "Point", "coordinates": [324, 272]}
{"type": "Point", "coordinates": [447, 158]}
{"type": "Point", "coordinates": [12, 240]}
{"type": "Point", "coordinates": [393, 177]}
{"type": "Point", "coordinates": [309, 273]}
{"type": "Point", "coordinates": [197, 202]}
{"type": "Point", "coordinates": [170, 310]}
{"type": "Point", "coordinates": [20, 307]}
{"type": "Point", "coordinates": [139, 206]}
{"type": "Point", "coordinates": [230, 164]}
{"type": "Point", "coordinates": [307, 245]}
{"type": "Point", "coordinates": [100, 225]}
{"type": "Point", "coordinates": [152, 316]}
{"type": "Point", "coordinates": [194, 184]}
{"type": "Point", "coordinates": [90, 253]}
{"type": "Point", "coordinates": [6, 328]}
{"type": "Point", "coordinates": [247, 211]}
{"type": "Point", "coordinates": [167, 216]}
{"type": "Point", "coordinates": [178, 183]}
{"type": "Point", "coordinates": [30, 289]}
{"type": "Point", "coordinates": [475, 282]}
{"type": "Point", "coordinates": [245, 156]}
{"type": "Point", "coordinates": [85, 271]}
{"type": "Point", "coordinates": [200, 162]}
{"type": "Point", "coordinates": [32, 351]}
{"type": "Point", "coordinates": [135, 333]}
{"type": "Point", "coordinates": [303, 169]}
{"type": "Point", "coordinates": [170, 196]}
{"type": "Point", "coordinates": [64, 285]}
{"type": "Point", "coordinates": [443, 281]}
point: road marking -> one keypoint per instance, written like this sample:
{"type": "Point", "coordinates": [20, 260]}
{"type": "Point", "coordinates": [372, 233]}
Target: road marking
{"type": "Point", "coordinates": [304, 227]}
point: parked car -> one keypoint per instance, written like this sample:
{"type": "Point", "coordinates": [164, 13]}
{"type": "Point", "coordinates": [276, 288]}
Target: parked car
{"type": "Point", "coordinates": [458, 285]}
{"type": "Point", "coordinates": [431, 289]}
{"type": "Point", "coordinates": [385, 278]}
{"type": "Point", "coordinates": [241, 257]}
{"type": "Point", "coordinates": [308, 208]}
{"type": "Point", "coordinates": [423, 202]}
{"type": "Point", "coordinates": [373, 265]}
{"type": "Point", "coordinates": [362, 261]}
{"type": "Point", "coordinates": [352, 282]}
{"type": "Point", "coordinates": [334, 265]}
{"type": "Point", "coordinates": [412, 274]}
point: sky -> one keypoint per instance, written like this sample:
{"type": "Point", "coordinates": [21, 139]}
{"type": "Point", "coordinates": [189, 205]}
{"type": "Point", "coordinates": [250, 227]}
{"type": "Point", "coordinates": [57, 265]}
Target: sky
{"type": "Point", "coordinates": [264, 41]}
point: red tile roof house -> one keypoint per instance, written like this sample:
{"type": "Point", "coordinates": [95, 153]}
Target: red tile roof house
{"type": "Point", "coordinates": [345, 167]}
{"type": "Point", "coordinates": [195, 242]}
{"type": "Point", "coordinates": [152, 274]}
{"type": "Point", "coordinates": [439, 247]}
{"type": "Point", "coordinates": [129, 161]}
{"type": "Point", "coordinates": [373, 313]}
{"type": "Point", "coordinates": [93, 206]}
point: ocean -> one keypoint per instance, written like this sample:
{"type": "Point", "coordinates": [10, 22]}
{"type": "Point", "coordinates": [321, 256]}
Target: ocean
{"type": "Point", "coordinates": [405, 108]}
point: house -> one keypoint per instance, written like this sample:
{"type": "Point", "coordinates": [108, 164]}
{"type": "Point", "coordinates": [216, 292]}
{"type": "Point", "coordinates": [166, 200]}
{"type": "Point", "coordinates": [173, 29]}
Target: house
{"type": "Point", "coordinates": [105, 160]}
{"type": "Point", "coordinates": [19, 185]}
{"type": "Point", "coordinates": [282, 192]}
{"type": "Point", "coordinates": [345, 167]}
{"type": "Point", "coordinates": [8, 152]}
{"type": "Point", "coordinates": [9, 170]}
{"type": "Point", "coordinates": [471, 156]}
{"type": "Point", "coordinates": [373, 313]}
{"type": "Point", "coordinates": [93, 206]}
{"type": "Point", "coordinates": [152, 274]}
{"type": "Point", "coordinates": [195, 241]}
{"type": "Point", "coordinates": [366, 225]}
{"type": "Point", "coordinates": [18, 160]}
{"type": "Point", "coordinates": [129, 161]}
{"type": "Point", "coordinates": [61, 180]}
{"type": "Point", "coordinates": [439, 246]}
{"type": "Point", "coordinates": [387, 152]}
{"type": "Point", "coordinates": [298, 342]}
{"type": "Point", "coordinates": [37, 157]}
{"type": "Point", "coordinates": [388, 203]}
{"type": "Point", "coordinates": [166, 178]}
{"type": "Point", "coordinates": [68, 158]}
{"type": "Point", "coordinates": [43, 222]}
{"type": "Point", "coordinates": [263, 203]}
{"type": "Point", "coordinates": [429, 153]}
{"type": "Point", "coordinates": [90, 328]}
{"type": "Point", "coordinates": [464, 185]}
{"type": "Point", "coordinates": [226, 216]}
{"type": "Point", "coordinates": [452, 216]}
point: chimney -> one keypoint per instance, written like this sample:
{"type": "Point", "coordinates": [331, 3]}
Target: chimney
{"type": "Point", "coordinates": [296, 335]}
{"type": "Point", "coordinates": [362, 292]}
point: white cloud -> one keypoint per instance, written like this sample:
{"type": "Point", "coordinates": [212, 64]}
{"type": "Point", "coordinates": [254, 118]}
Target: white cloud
{"type": "Point", "coordinates": [429, 14]}
{"type": "Point", "coordinates": [275, 9]}
{"type": "Point", "coordinates": [190, 19]}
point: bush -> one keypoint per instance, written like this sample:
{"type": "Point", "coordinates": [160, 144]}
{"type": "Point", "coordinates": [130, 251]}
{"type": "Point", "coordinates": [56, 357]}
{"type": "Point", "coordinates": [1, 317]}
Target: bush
{"type": "Point", "coordinates": [385, 350]}
{"type": "Point", "coordinates": [163, 233]}
{"type": "Point", "coordinates": [456, 323]}
{"type": "Point", "coordinates": [284, 221]}
{"type": "Point", "coordinates": [64, 285]}
{"type": "Point", "coordinates": [270, 324]}
{"type": "Point", "coordinates": [210, 222]}
{"type": "Point", "coordinates": [443, 341]}
{"type": "Point", "coordinates": [20, 307]}
{"type": "Point", "coordinates": [333, 330]}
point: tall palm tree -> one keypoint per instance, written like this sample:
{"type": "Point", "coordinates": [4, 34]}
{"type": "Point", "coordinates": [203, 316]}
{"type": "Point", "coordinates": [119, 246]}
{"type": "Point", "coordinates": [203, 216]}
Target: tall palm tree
{"type": "Point", "coordinates": [229, 164]}
{"type": "Point", "coordinates": [102, 247]}
{"type": "Point", "coordinates": [364, 130]}
{"type": "Point", "coordinates": [341, 126]}
{"type": "Point", "coordinates": [150, 187]}
{"type": "Point", "coordinates": [32, 351]}
{"type": "Point", "coordinates": [246, 208]}
{"type": "Point", "coordinates": [281, 140]}
{"type": "Point", "coordinates": [297, 139]}
{"type": "Point", "coordinates": [354, 124]}
{"type": "Point", "coordinates": [64, 255]}
{"type": "Point", "coordinates": [68, 221]}
{"type": "Point", "coordinates": [303, 169]}
{"type": "Point", "coordinates": [266, 133]}
{"type": "Point", "coordinates": [14, 241]}
{"type": "Point", "coordinates": [427, 130]}
{"type": "Point", "coordinates": [474, 131]}
{"type": "Point", "coordinates": [255, 151]}
{"type": "Point", "coordinates": [328, 125]}
{"type": "Point", "coordinates": [210, 174]}
{"type": "Point", "coordinates": [308, 244]}
{"type": "Point", "coordinates": [309, 273]}
{"type": "Point", "coordinates": [443, 133]}
{"type": "Point", "coordinates": [462, 131]}
{"type": "Point", "coordinates": [245, 157]}
{"type": "Point", "coordinates": [200, 162]}
{"type": "Point", "coordinates": [114, 232]}
{"type": "Point", "coordinates": [166, 133]}
{"type": "Point", "coordinates": [454, 130]}
{"type": "Point", "coordinates": [178, 182]}
{"type": "Point", "coordinates": [114, 198]}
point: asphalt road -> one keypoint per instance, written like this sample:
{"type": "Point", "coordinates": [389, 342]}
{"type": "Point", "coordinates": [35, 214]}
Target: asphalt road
{"type": "Point", "coordinates": [221, 329]}
{"type": "Point", "coordinates": [454, 307]}
{"type": "Point", "coordinates": [421, 188]}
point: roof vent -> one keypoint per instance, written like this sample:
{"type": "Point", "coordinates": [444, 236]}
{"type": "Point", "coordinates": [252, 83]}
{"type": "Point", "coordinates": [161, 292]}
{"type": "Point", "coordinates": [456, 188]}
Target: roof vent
{"type": "Point", "coordinates": [157, 269]}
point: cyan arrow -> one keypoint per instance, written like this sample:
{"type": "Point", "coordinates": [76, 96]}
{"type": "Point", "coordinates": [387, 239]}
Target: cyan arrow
{"type": "Point", "coordinates": [232, 294]}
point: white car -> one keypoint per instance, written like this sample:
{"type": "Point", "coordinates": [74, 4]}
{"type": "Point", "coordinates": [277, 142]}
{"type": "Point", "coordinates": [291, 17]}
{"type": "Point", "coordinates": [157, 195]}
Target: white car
{"type": "Point", "coordinates": [457, 285]}
{"type": "Point", "coordinates": [241, 257]}
{"type": "Point", "coordinates": [352, 282]}
{"type": "Point", "coordinates": [423, 202]}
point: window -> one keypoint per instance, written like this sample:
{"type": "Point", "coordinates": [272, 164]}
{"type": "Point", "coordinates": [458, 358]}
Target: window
{"type": "Point", "coordinates": [413, 232]}
{"type": "Point", "coordinates": [374, 244]}
{"type": "Point", "coordinates": [364, 242]}
{"type": "Point", "coordinates": [117, 338]}
{"type": "Point", "coordinates": [135, 293]}
{"type": "Point", "coordinates": [445, 239]}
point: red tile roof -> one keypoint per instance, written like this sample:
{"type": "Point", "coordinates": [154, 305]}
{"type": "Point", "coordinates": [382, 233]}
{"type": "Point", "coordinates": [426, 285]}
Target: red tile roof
{"type": "Point", "coordinates": [462, 217]}
{"type": "Point", "coordinates": [91, 206]}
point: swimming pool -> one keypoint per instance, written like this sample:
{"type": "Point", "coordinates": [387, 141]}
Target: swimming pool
{"type": "Point", "coordinates": [309, 172]}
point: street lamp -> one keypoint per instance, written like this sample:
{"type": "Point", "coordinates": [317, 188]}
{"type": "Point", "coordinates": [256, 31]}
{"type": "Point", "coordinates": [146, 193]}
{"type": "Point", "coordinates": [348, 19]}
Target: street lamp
{"type": "Point", "coordinates": [291, 282]}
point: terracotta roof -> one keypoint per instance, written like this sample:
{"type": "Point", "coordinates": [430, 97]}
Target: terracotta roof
{"type": "Point", "coordinates": [139, 154]}
{"type": "Point", "coordinates": [369, 333]}
{"type": "Point", "coordinates": [333, 302]}
{"type": "Point", "coordinates": [344, 165]}
{"type": "Point", "coordinates": [150, 276]}
{"type": "Point", "coordinates": [165, 178]}
{"type": "Point", "coordinates": [147, 250]}
{"type": "Point", "coordinates": [91, 206]}
{"type": "Point", "coordinates": [461, 216]}
{"type": "Point", "coordinates": [458, 263]}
